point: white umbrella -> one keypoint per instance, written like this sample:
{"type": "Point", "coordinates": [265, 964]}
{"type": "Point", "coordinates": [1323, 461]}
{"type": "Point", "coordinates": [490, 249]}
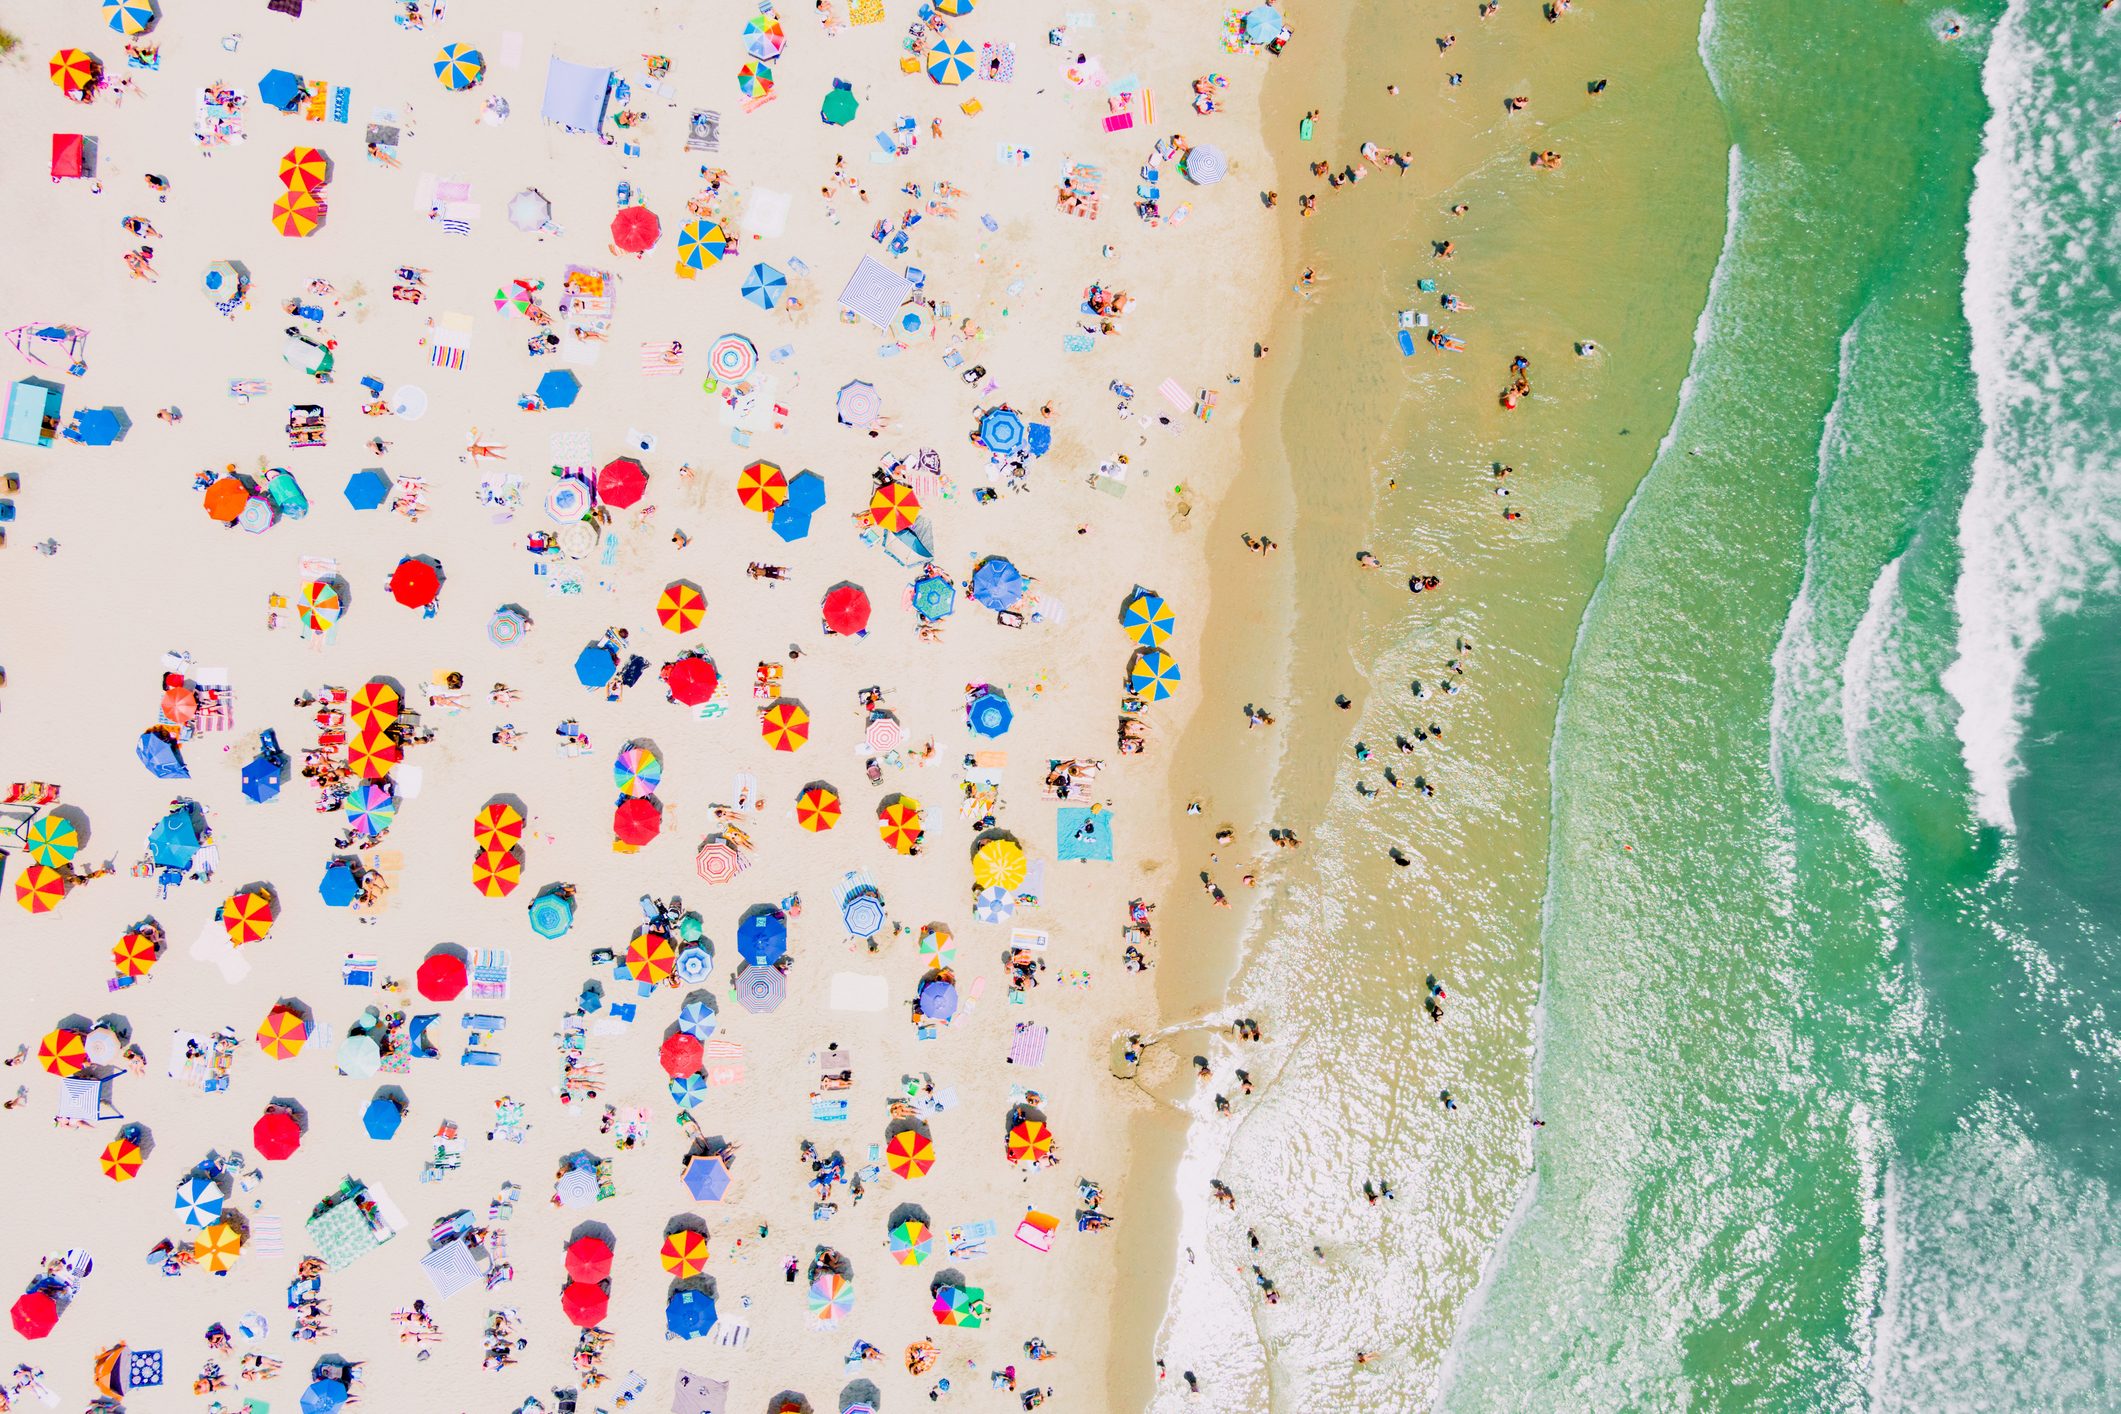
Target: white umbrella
{"type": "Point", "coordinates": [528, 210]}
{"type": "Point", "coordinates": [409, 402]}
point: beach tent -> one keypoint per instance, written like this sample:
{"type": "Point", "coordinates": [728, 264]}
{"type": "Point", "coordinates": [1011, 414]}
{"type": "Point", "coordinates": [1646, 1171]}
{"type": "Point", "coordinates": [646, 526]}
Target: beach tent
{"type": "Point", "coordinates": [69, 155]}
{"type": "Point", "coordinates": [875, 291]}
{"type": "Point", "coordinates": [575, 95]}
{"type": "Point", "coordinates": [33, 407]}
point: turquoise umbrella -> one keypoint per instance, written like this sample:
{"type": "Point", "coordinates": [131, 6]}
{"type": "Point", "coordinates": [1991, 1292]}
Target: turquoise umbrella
{"type": "Point", "coordinates": [551, 915]}
{"type": "Point", "coordinates": [950, 61]}
{"type": "Point", "coordinates": [688, 1090]}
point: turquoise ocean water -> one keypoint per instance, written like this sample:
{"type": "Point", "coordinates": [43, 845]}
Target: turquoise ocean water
{"type": "Point", "coordinates": [1831, 1048]}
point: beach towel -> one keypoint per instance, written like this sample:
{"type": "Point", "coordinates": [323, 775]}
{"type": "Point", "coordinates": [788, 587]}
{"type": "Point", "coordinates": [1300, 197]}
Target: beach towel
{"type": "Point", "coordinates": [875, 291]}
{"type": "Point", "coordinates": [489, 974]}
{"type": "Point", "coordinates": [1028, 1048]}
{"type": "Point", "coordinates": [766, 213]}
{"type": "Point", "coordinates": [731, 1334]}
{"type": "Point", "coordinates": [1175, 395]}
{"type": "Point", "coordinates": [828, 1111]}
{"type": "Point", "coordinates": [697, 1394]}
{"type": "Point", "coordinates": [266, 1239]}
{"type": "Point", "coordinates": [662, 360]}
{"type": "Point", "coordinates": [143, 1368]}
{"type": "Point", "coordinates": [968, 1241]}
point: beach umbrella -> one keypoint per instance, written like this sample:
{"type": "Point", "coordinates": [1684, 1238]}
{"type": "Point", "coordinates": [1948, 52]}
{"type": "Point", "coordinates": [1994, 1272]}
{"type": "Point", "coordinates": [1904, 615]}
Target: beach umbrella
{"type": "Point", "coordinates": [1002, 431]}
{"type": "Point", "coordinates": [551, 915]}
{"type": "Point", "coordinates": [1154, 674]}
{"type": "Point", "coordinates": [938, 999]}
{"type": "Point", "coordinates": [225, 499]}
{"type": "Point", "coordinates": [129, 17]}
{"type": "Point", "coordinates": [261, 778]}
{"type": "Point", "coordinates": [174, 840]}
{"type": "Point", "coordinates": [371, 808]}
{"type": "Point", "coordinates": [687, 1091]}
{"type": "Point", "coordinates": [859, 405]}
{"type": "Point", "coordinates": [937, 946]}
{"type": "Point", "coordinates": [689, 1313]}
{"type": "Point", "coordinates": [934, 596]}
{"type": "Point", "coordinates": [319, 605]}
{"type": "Point", "coordinates": [304, 169]}
{"type": "Point", "coordinates": [682, 608]}
{"type": "Point", "coordinates": [259, 512]}
{"type": "Point", "coordinates": [199, 1201]}
{"type": "Point", "coordinates": [754, 80]}
{"type": "Point", "coordinates": [637, 821]}
{"type": "Point", "coordinates": [594, 665]}
{"type": "Point", "coordinates": [382, 1118]}
{"type": "Point", "coordinates": [863, 912]}
{"type": "Point", "coordinates": [1262, 24]}
{"type": "Point", "coordinates": [622, 482]}
{"type": "Point", "coordinates": [498, 825]}
{"type": "Point", "coordinates": [764, 286]}
{"type": "Point", "coordinates": [459, 66]}
{"type": "Point", "coordinates": [217, 1248]}
{"type": "Point", "coordinates": [806, 496]}
{"type": "Point", "coordinates": [691, 679]}
{"type": "Point", "coordinates": [998, 863]}
{"type": "Point", "coordinates": [50, 840]}
{"type": "Point", "coordinates": [34, 1314]}
{"type": "Point", "coordinates": [283, 1033]}
{"type": "Point", "coordinates": [222, 280]}
{"type": "Point", "coordinates": [817, 809]}
{"type": "Point", "coordinates": [831, 1297]}
{"type": "Point", "coordinates": [680, 1055]}
{"type": "Point", "coordinates": [121, 1160]}
{"type": "Point", "coordinates": [953, 7]}
{"type": "Point", "coordinates": [584, 1304]}
{"type": "Point", "coordinates": [950, 61]}
{"type": "Point", "coordinates": [247, 916]}
{"type": "Point", "coordinates": [912, 1243]}
{"type": "Point", "coordinates": [707, 1177]}
{"type": "Point", "coordinates": [785, 726]}
{"type": "Point", "coordinates": [280, 89]}
{"type": "Point", "coordinates": [718, 860]}
{"type": "Point", "coordinates": [134, 954]}
{"type": "Point", "coordinates": [732, 357]}
{"type": "Point", "coordinates": [297, 213]}
{"type": "Point", "coordinates": [763, 36]}
{"type": "Point", "coordinates": [839, 107]}
{"type": "Point", "coordinates": [1029, 1141]}
{"type": "Point", "coordinates": [442, 977]}
{"type": "Point", "coordinates": [910, 1153]}
{"type": "Point", "coordinates": [638, 770]}
{"type": "Point", "coordinates": [324, 1397]}
{"type": "Point", "coordinates": [636, 229]}
{"type": "Point", "coordinates": [960, 1306]}
{"type": "Point", "coordinates": [697, 1016]}
{"type": "Point", "coordinates": [1147, 619]}
{"type": "Point", "coordinates": [701, 244]}
{"type": "Point", "coordinates": [360, 1056]}
{"type": "Point", "coordinates": [685, 1253]}
{"type": "Point", "coordinates": [899, 824]}
{"type": "Point", "coordinates": [893, 506]}
{"type": "Point", "coordinates": [513, 299]}
{"type": "Point", "coordinates": [762, 938]}
{"type": "Point", "coordinates": [990, 714]}
{"type": "Point", "coordinates": [73, 69]}
{"type": "Point", "coordinates": [496, 872]}
{"type": "Point", "coordinates": [414, 583]}
{"type": "Point", "coordinates": [371, 755]}
{"type": "Point", "coordinates": [761, 486]}
{"type": "Point", "coordinates": [998, 584]}
{"type": "Point", "coordinates": [993, 904]}
{"type": "Point", "coordinates": [276, 1134]}
{"type": "Point", "coordinates": [366, 490]}
{"type": "Point", "coordinates": [652, 959]}
{"type": "Point", "coordinates": [528, 210]}
{"type": "Point", "coordinates": [588, 1258]}
{"type": "Point", "coordinates": [845, 609]}
{"type": "Point", "coordinates": [559, 388]}
{"type": "Point", "coordinates": [63, 1052]}
{"type": "Point", "coordinates": [761, 989]}
{"type": "Point", "coordinates": [1205, 165]}
{"type": "Point", "coordinates": [507, 626]}
{"type": "Point", "coordinates": [375, 704]}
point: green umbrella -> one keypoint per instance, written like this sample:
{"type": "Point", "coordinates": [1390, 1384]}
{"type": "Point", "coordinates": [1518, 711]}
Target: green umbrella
{"type": "Point", "coordinates": [839, 107]}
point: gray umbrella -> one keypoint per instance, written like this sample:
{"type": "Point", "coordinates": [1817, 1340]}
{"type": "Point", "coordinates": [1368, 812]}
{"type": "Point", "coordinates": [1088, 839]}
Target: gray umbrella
{"type": "Point", "coordinates": [1206, 165]}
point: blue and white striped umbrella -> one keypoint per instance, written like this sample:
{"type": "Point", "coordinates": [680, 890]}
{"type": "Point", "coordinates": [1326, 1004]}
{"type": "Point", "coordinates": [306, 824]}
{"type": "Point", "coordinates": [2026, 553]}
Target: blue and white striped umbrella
{"type": "Point", "coordinates": [764, 286]}
{"type": "Point", "coordinates": [697, 1018]}
{"type": "Point", "coordinates": [863, 912]}
{"type": "Point", "coordinates": [993, 905]}
{"type": "Point", "coordinates": [199, 1202]}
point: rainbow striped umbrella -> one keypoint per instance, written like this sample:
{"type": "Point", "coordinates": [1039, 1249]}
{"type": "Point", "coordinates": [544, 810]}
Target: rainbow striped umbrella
{"type": "Point", "coordinates": [39, 888]}
{"type": "Point", "coordinates": [831, 1297]}
{"type": "Point", "coordinates": [459, 66]}
{"type": "Point", "coordinates": [51, 840]}
{"type": "Point", "coordinates": [319, 605]}
{"type": "Point", "coordinates": [912, 1242]}
{"type": "Point", "coordinates": [371, 808]}
{"type": "Point", "coordinates": [763, 36]}
{"type": "Point", "coordinates": [754, 80]}
{"type": "Point", "coordinates": [637, 771]}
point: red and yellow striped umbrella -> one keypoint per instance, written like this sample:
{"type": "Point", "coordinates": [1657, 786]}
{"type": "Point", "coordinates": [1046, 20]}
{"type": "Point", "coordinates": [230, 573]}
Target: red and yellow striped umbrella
{"type": "Point", "coordinates": [375, 706]}
{"type": "Point", "coordinates": [909, 1153]}
{"type": "Point", "coordinates": [498, 825]}
{"type": "Point", "coordinates": [283, 1033]}
{"type": "Point", "coordinates": [785, 725]}
{"type": "Point", "coordinates": [304, 169]}
{"type": "Point", "coordinates": [134, 955]}
{"type": "Point", "coordinates": [899, 823]}
{"type": "Point", "coordinates": [651, 958]}
{"type": "Point", "coordinates": [894, 506]}
{"type": "Point", "coordinates": [682, 609]}
{"type": "Point", "coordinates": [372, 756]}
{"type": "Point", "coordinates": [247, 916]}
{"type": "Point", "coordinates": [1029, 1142]}
{"type": "Point", "coordinates": [762, 486]}
{"type": "Point", "coordinates": [297, 213]}
{"type": "Point", "coordinates": [63, 1052]}
{"type": "Point", "coordinates": [817, 809]}
{"type": "Point", "coordinates": [73, 69]}
{"type": "Point", "coordinates": [685, 1253]}
{"type": "Point", "coordinates": [122, 1160]}
{"type": "Point", "coordinates": [496, 872]}
{"type": "Point", "coordinates": [39, 888]}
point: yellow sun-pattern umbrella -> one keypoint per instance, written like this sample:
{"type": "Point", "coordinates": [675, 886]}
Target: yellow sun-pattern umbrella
{"type": "Point", "coordinates": [304, 169]}
{"type": "Point", "coordinates": [899, 823]}
{"type": "Point", "coordinates": [652, 958]}
{"type": "Point", "coordinates": [685, 1253]}
{"type": "Point", "coordinates": [372, 756]}
{"type": "Point", "coordinates": [39, 888]}
{"type": "Point", "coordinates": [909, 1153]}
{"type": "Point", "coordinates": [498, 825]}
{"type": "Point", "coordinates": [817, 809]}
{"type": "Point", "coordinates": [895, 507]}
{"type": "Point", "coordinates": [1029, 1142]}
{"type": "Point", "coordinates": [63, 1052]}
{"type": "Point", "coordinates": [218, 1247]}
{"type": "Point", "coordinates": [496, 872]}
{"type": "Point", "coordinates": [283, 1033]}
{"type": "Point", "coordinates": [998, 864]}
{"type": "Point", "coordinates": [762, 486]}
{"type": "Point", "coordinates": [121, 1160]}
{"type": "Point", "coordinates": [297, 213]}
{"type": "Point", "coordinates": [375, 705]}
{"type": "Point", "coordinates": [785, 725]}
{"type": "Point", "coordinates": [682, 609]}
{"type": "Point", "coordinates": [247, 916]}
{"type": "Point", "coordinates": [134, 955]}
{"type": "Point", "coordinates": [73, 69]}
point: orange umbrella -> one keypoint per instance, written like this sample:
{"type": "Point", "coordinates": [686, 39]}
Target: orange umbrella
{"type": "Point", "coordinates": [247, 916]}
{"type": "Point", "coordinates": [498, 825]}
{"type": "Point", "coordinates": [217, 1248]}
{"type": "Point", "coordinates": [297, 213]}
{"type": "Point", "coordinates": [73, 69]}
{"type": "Point", "coordinates": [899, 823]}
{"type": "Point", "coordinates": [652, 959]}
{"type": "Point", "coordinates": [304, 169]}
{"type": "Point", "coordinates": [375, 705]}
{"type": "Point", "coordinates": [226, 498]}
{"type": "Point", "coordinates": [372, 756]}
{"type": "Point", "coordinates": [682, 608]}
{"type": "Point", "coordinates": [496, 872]}
{"type": "Point", "coordinates": [1030, 1141]}
{"type": "Point", "coordinates": [894, 506]}
{"type": "Point", "coordinates": [817, 809]}
{"type": "Point", "coordinates": [63, 1052]}
{"type": "Point", "coordinates": [39, 888]}
{"type": "Point", "coordinates": [909, 1153]}
{"type": "Point", "coordinates": [761, 487]}
{"type": "Point", "coordinates": [121, 1160]}
{"type": "Point", "coordinates": [134, 955]}
{"type": "Point", "coordinates": [685, 1253]}
{"type": "Point", "coordinates": [282, 1034]}
{"type": "Point", "coordinates": [785, 725]}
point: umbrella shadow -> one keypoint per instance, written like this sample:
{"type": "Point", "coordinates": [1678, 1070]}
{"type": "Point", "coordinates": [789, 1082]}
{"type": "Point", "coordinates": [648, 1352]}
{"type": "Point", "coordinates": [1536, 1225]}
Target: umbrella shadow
{"type": "Point", "coordinates": [75, 816]}
{"type": "Point", "coordinates": [508, 798]}
{"type": "Point", "coordinates": [790, 1401]}
{"type": "Point", "coordinates": [948, 1279]}
{"type": "Point", "coordinates": [393, 1094]}
{"type": "Point", "coordinates": [1022, 1112]}
{"type": "Point", "coordinates": [908, 1213]}
{"type": "Point", "coordinates": [703, 1284]}
{"type": "Point", "coordinates": [686, 1222]}
{"type": "Point", "coordinates": [75, 1021]}
{"type": "Point", "coordinates": [592, 1228]}
{"type": "Point", "coordinates": [830, 1260]}
{"type": "Point", "coordinates": [905, 1126]}
{"type": "Point", "coordinates": [860, 1392]}
{"type": "Point", "coordinates": [118, 1024]}
{"type": "Point", "coordinates": [140, 1137]}
{"type": "Point", "coordinates": [299, 1008]}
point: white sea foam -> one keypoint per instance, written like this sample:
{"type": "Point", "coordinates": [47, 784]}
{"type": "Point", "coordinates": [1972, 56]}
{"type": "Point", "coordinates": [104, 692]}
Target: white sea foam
{"type": "Point", "coordinates": [1867, 671]}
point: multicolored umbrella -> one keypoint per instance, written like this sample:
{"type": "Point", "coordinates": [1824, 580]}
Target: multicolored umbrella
{"type": "Point", "coordinates": [894, 506]}
{"type": "Point", "coordinates": [732, 357]}
{"type": "Point", "coordinates": [817, 809]}
{"type": "Point", "coordinates": [831, 1297]}
{"type": "Point", "coordinates": [682, 607]}
{"type": "Point", "coordinates": [297, 213]}
{"type": "Point", "coordinates": [899, 823]}
{"type": "Point", "coordinates": [761, 989]}
{"type": "Point", "coordinates": [496, 872]}
{"type": "Point", "coordinates": [998, 864]}
{"type": "Point", "coordinates": [937, 945]}
{"type": "Point", "coordinates": [371, 755]}
{"type": "Point", "coordinates": [763, 37]}
{"type": "Point", "coordinates": [912, 1242]}
{"type": "Point", "coordinates": [319, 605]}
{"type": "Point", "coordinates": [498, 825]}
{"type": "Point", "coordinates": [459, 66]}
{"type": "Point", "coordinates": [121, 1160]}
{"type": "Point", "coordinates": [283, 1033]}
{"type": "Point", "coordinates": [762, 486]}
{"type": "Point", "coordinates": [372, 808]}
{"type": "Point", "coordinates": [950, 61]}
{"type": "Point", "coordinates": [697, 1017]}
{"type": "Point", "coordinates": [701, 244]}
{"type": "Point", "coordinates": [63, 1052]}
{"type": "Point", "coordinates": [134, 955]}
{"type": "Point", "coordinates": [964, 1306]}
{"type": "Point", "coordinates": [39, 888]}
{"type": "Point", "coordinates": [129, 17]}
{"type": "Point", "coordinates": [910, 1153]}
{"type": "Point", "coordinates": [199, 1201]}
{"type": "Point", "coordinates": [1147, 619]}
{"type": "Point", "coordinates": [685, 1253]}
{"type": "Point", "coordinates": [637, 771]}
{"type": "Point", "coordinates": [74, 69]}
{"type": "Point", "coordinates": [763, 286]}
{"type": "Point", "coordinates": [507, 627]}
{"type": "Point", "coordinates": [218, 1247]}
{"type": "Point", "coordinates": [785, 725]}
{"type": "Point", "coordinates": [247, 916]}
{"type": "Point", "coordinates": [754, 80]}
{"type": "Point", "coordinates": [651, 959]}
{"type": "Point", "coordinates": [1154, 674]}
{"type": "Point", "coordinates": [1029, 1142]}
{"type": "Point", "coordinates": [304, 169]}
{"type": "Point", "coordinates": [51, 840]}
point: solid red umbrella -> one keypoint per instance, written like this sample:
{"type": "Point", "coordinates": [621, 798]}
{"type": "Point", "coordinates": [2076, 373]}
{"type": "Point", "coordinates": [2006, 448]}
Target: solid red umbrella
{"type": "Point", "coordinates": [414, 583]}
{"type": "Point", "coordinates": [691, 679]}
{"type": "Point", "coordinates": [637, 821]}
{"type": "Point", "coordinates": [276, 1134]}
{"type": "Point", "coordinates": [442, 977]}
{"type": "Point", "coordinates": [682, 1054]}
{"type": "Point", "coordinates": [588, 1259]}
{"type": "Point", "coordinates": [622, 482]}
{"type": "Point", "coordinates": [35, 1313]}
{"type": "Point", "coordinates": [846, 609]}
{"type": "Point", "coordinates": [584, 1304]}
{"type": "Point", "coordinates": [635, 229]}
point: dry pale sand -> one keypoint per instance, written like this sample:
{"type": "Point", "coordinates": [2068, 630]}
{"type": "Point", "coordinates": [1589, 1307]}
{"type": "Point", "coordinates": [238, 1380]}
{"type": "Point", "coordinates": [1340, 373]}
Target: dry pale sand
{"type": "Point", "coordinates": [142, 571]}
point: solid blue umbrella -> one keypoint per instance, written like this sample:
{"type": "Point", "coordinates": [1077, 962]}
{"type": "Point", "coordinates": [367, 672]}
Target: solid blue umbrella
{"type": "Point", "coordinates": [199, 1202]}
{"type": "Point", "coordinates": [1002, 430]}
{"type": "Point", "coordinates": [261, 778]}
{"type": "Point", "coordinates": [551, 915]}
{"type": "Point", "coordinates": [594, 666]}
{"type": "Point", "coordinates": [764, 286]}
{"type": "Point", "coordinates": [990, 714]}
{"type": "Point", "coordinates": [324, 1397]}
{"type": "Point", "coordinates": [559, 388]}
{"type": "Point", "coordinates": [689, 1313]}
{"type": "Point", "coordinates": [280, 89]}
{"type": "Point", "coordinates": [934, 596]}
{"type": "Point", "coordinates": [806, 497]}
{"type": "Point", "coordinates": [688, 1090]}
{"type": "Point", "coordinates": [997, 583]}
{"type": "Point", "coordinates": [341, 885]}
{"type": "Point", "coordinates": [939, 1000]}
{"type": "Point", "coordinates": [159, 755]}
{"type": "Point", "coordinates": [762, 938]}
{"type": "Point", "coordinates": [382, 1117]}
{"type": "Point", "coordinates": [366, 490]}
{"type": "Point", "coordinates": [707, 1178]}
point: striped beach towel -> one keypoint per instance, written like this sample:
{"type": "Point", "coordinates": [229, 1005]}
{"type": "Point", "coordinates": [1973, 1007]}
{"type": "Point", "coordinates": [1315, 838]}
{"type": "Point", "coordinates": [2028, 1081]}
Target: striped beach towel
{"type": "Point", "coordinates": [449, 356]}
{"type": "Point", "coordinates": [1175, 395]}
{"type": "Point", "coordinates": [489, 973]}
{"type": "Point", "coordinates": [1029, 1047]}
{"type": "Point", "coordinates": [265, 1237]}
{"type": "Point", "coordinates": [662, 360]}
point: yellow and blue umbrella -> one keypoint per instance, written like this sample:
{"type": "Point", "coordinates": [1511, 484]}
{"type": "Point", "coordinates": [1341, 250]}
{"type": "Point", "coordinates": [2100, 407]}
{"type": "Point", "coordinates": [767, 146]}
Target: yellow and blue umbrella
{"type": "Point", "coordinates": [950, 61]}
{"type": "Point", "coordinates": [701, 244]}
{"type": "Point", "coordinates": [129, 17]}
{"type": "Point", "coordinates": [459, 66]}
{"type": "Point", "coordinates": [51, 840]}
{"type": "Point", "coordinates": [1147, 619]}
{"type": "Point", "coordinates": [1155, 673]}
